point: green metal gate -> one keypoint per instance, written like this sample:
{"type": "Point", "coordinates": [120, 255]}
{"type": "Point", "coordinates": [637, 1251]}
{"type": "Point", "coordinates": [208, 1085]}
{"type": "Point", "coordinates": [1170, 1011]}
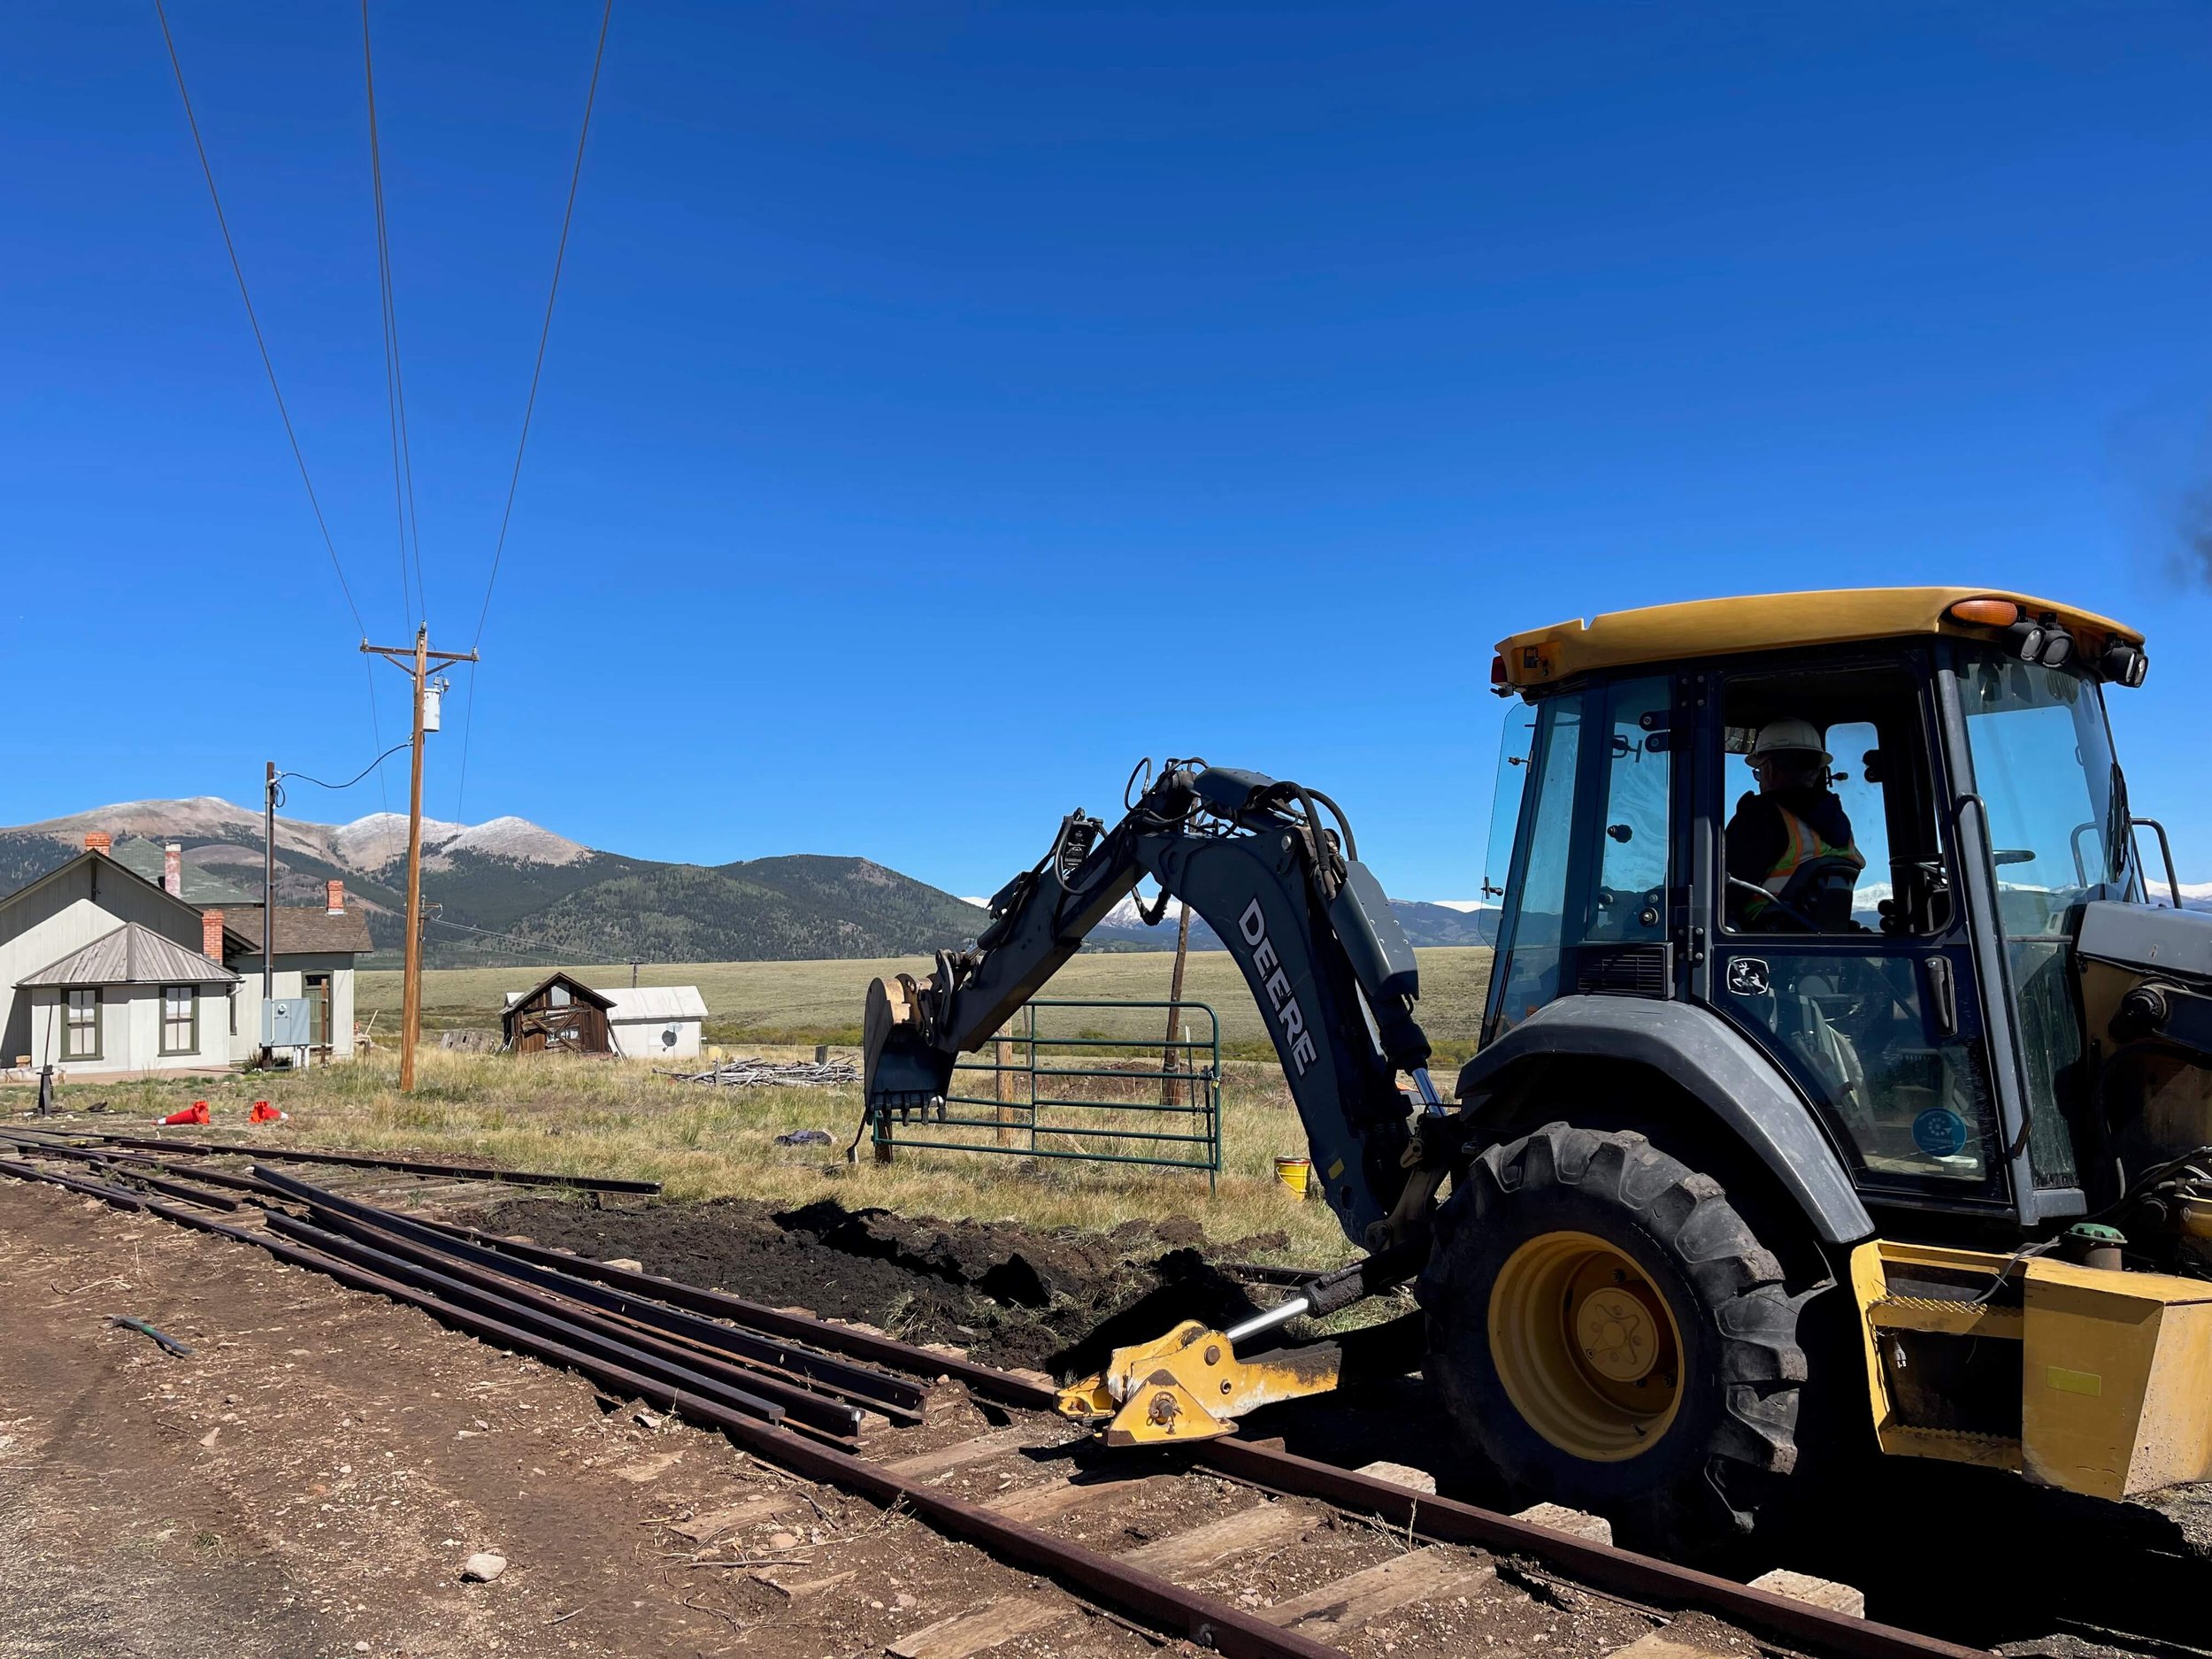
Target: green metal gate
{"type": "Point", "coordinates": [1050, 1092]}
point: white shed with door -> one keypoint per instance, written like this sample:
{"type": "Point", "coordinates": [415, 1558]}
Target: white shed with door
{"type": "Point", "coordinates": [652, 1022]}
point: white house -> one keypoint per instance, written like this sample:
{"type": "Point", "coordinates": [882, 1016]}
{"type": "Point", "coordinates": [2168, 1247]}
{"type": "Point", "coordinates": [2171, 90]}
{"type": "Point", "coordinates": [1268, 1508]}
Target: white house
{"type": "Point", "coordinates": [102, 971]}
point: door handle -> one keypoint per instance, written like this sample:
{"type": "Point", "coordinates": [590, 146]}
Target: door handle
{"type": "Point", "coordinates": [1943, 996]}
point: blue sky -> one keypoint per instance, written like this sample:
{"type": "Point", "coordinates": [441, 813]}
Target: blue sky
{"type": "Point", "coordinates": [949, 404]}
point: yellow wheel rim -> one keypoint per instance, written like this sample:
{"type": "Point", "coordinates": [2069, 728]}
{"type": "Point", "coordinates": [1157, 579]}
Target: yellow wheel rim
{"type": "Point", "coordinates": [1587, 1346]}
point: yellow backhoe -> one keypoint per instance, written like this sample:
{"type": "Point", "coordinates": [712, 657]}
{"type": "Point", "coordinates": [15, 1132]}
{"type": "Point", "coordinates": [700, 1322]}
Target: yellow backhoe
{"type": "Point", "coordinates": [1839, 1069]}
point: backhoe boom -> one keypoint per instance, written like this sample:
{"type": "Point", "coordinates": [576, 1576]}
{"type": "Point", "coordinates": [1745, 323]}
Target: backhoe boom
{"type": "Point", "coordinates": [1306, 923]}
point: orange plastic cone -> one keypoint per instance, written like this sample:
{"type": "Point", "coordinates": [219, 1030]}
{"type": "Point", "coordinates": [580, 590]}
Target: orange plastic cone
{"type": "Point", "coordinates": [195, 1113]}
{"type": "Point", "coordinates": [265, 1113]}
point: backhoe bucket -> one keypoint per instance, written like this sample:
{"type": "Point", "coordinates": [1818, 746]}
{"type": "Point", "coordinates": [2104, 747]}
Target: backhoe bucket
{"type": "Point", "coordinates": [899, 1070]}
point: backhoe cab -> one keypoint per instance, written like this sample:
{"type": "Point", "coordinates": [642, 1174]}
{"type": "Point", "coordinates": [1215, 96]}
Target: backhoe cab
{"type": "Point", "coordinates": [1836, 1068]}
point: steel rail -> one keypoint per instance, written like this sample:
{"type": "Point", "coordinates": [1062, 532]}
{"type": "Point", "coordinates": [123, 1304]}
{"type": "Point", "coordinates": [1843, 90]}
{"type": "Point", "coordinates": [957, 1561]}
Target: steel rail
{"type": "Point", "coordinates": [1444, 1519]}
{"type": "Point", "coordinates": [897, 1394]}
{"type": "Point", "coordinates": [176, 1189]}
{"type": "Point", "coordinates": [619, 1378]}
{"type": "Point", "coordinates": [124, 1165]}
{"type": "Point", "coordinates": [1000, 1385]}
{"type": "Point", "coordinates": [1604, 1566]}
{"type": "Point", "coordinates": [527, 1312]}
{"type": "Point", "coordinates": [363, 1161]}
{"type": "Point", "coordinates": [402, 1259]}
{"type": "Point", "coordinates": [1160, 1603]}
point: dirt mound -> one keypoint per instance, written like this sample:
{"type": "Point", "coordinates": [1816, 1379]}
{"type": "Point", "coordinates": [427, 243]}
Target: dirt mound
{"type": "Point", "coordinates": [1011, 1295]}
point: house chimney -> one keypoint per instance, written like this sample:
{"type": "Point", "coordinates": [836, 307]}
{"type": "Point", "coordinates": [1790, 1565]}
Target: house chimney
{"type": "Point", "coordinates": [334, 898]}
{"type": "Point", "coordinates": [212, 935]}
{"type": "Point", "coordinates": [99, 842]}
{"type": "Point", "coordinates": [173, 870]}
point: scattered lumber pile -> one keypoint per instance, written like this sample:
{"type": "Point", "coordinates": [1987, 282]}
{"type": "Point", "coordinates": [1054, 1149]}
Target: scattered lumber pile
{"type": "Point", "coordinates": [772, 1074]}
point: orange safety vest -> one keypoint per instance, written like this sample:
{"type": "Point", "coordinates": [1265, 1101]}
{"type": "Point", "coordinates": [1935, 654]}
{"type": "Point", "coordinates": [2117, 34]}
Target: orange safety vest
{"type": "Point", "coordinates": [1805, 844]}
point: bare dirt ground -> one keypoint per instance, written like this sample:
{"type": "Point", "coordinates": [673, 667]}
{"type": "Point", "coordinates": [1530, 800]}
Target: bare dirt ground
{"type": "Point", "coordinates": [309, 1480]}
{"type": "Point", "coordinates": [1011, 1295]}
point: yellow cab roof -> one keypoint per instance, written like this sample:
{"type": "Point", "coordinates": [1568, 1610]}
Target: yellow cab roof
{"type": "Point", "coordinates": [1769, 622]}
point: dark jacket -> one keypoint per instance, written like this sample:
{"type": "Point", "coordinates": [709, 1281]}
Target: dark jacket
{"type": "Point", "coordinates": [1757, 840]}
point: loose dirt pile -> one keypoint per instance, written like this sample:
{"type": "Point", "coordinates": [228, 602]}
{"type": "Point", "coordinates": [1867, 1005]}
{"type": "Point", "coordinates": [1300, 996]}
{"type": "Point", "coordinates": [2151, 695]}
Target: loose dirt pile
{"type": "Point", "coordinates": [1008, 1295]}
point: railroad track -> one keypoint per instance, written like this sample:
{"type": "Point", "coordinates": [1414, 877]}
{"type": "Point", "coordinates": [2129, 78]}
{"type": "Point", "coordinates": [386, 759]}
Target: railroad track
{"type": "Point", "coordinates": [1239, 1546]}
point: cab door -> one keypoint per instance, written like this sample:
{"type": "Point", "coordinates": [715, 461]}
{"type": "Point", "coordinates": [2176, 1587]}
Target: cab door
{"type": "Point", "coordinates": [1875, 1019]}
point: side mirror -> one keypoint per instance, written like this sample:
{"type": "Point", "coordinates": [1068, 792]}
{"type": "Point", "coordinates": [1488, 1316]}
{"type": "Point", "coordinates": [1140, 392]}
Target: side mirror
{"type": "Point", "coordinates": [1872, 760]}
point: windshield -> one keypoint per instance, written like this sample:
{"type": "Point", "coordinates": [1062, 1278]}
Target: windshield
{"type": "Point", "coordinates": [2057, 807]}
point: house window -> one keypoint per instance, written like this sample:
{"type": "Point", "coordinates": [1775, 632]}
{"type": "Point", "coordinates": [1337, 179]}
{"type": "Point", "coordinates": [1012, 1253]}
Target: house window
{"type": "Point", "coordinates": [179, 1019]}
{"type": "Point", "coordinates": [81, 1024]}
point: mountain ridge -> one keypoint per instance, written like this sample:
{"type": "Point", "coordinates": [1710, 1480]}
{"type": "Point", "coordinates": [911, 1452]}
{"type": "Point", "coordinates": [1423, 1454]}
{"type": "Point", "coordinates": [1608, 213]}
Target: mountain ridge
{"type": "Point", "coordinates": [510, 891]}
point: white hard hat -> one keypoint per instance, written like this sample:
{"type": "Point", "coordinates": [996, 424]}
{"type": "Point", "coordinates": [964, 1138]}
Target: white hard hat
{"type": "Point", "coordinates": [1800, 735]}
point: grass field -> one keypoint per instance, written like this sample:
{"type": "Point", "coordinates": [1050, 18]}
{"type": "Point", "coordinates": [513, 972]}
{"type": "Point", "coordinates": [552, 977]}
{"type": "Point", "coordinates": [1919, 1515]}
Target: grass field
{"type": "Point", "coordinates": [616, 1117]}
{"type": "Point", "coordinates": [600, 1117]}
{"type": "Point", "coordinates": [819, 1002]}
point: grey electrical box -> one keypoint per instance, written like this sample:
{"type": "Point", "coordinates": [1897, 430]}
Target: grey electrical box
{"type": "Point", "coordinates": [284, 1023]}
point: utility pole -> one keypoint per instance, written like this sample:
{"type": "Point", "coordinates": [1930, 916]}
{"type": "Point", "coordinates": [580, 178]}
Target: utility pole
{"type": "Point", "coordinates": [268, 903]}
{"type": "Point", "coordinates": [416, 660]}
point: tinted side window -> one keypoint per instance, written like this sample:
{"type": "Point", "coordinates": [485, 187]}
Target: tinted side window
{"type": "Point", "coordinates": [1533, 922]}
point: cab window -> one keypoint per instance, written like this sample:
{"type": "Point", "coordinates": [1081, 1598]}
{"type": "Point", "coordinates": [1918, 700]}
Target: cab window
{"type": "Point", "coordinates": [1831, 822]}
{"type": "Point", "coordinates": [1838, 954]}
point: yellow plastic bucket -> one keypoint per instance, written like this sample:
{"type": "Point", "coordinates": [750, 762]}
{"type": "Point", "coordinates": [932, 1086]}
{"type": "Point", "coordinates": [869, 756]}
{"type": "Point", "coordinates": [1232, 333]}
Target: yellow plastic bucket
{"type": "Point", "coordinates": [1293, 1173]}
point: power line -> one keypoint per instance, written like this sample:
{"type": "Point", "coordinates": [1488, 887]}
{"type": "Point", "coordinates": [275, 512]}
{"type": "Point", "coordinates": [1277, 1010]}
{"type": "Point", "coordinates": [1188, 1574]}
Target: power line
{"type": "Point", "coordinates": [350, 782]}
{"type": "Point", "coordinates": [545, 329]}
{"type": "Point", "coordinates": [238, 271]}
{"type": "Point", "coordinates": [394, 382]}
{"type": "Point", "coordinates": [376, 730]}
{"type": "Point", "coordinates": [468, 726]}
{"type": "Point", "coordinates": [539, 945]}
{"type": "Point", "coordinates": [530, 404]}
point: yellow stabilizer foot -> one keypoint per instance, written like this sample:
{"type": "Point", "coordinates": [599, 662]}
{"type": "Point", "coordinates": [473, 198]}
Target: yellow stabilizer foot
{"type": "Point", "coordinates": [1189, 1384]}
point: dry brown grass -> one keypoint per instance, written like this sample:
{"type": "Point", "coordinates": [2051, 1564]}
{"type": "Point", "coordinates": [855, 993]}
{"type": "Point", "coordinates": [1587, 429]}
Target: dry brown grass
{"type": "Point", "coordinates": [588, 1117]}
{"type": "Point", "coordinates": [616, 1117]}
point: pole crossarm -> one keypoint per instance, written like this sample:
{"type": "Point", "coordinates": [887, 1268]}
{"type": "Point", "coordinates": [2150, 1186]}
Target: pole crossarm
{"type": "Point", "coordinates": [404, 655]}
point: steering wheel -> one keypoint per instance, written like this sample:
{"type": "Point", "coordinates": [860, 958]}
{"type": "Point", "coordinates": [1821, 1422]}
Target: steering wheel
{"type": "Point", "coordinates": [1805, 924]}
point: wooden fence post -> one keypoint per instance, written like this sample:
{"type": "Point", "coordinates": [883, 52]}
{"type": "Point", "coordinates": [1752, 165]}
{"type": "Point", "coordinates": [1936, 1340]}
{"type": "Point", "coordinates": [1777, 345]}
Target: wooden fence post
{"type": "Point", "coordinates": [1170, 1054]}
{"type": "Point", "coordinates": [1002, 1055]}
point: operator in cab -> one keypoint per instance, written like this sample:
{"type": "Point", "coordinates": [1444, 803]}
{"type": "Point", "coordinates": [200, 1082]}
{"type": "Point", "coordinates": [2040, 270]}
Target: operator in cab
{"type": "Point", "coordinates": [1792, 840]}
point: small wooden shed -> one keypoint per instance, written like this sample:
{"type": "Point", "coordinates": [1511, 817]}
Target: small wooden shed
{"type": "Point", "coordinates": [561, 1015]}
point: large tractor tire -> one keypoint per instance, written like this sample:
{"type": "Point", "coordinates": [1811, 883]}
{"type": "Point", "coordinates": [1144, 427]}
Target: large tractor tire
{"type": "Point", "coordinates": [1610, 1334]}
